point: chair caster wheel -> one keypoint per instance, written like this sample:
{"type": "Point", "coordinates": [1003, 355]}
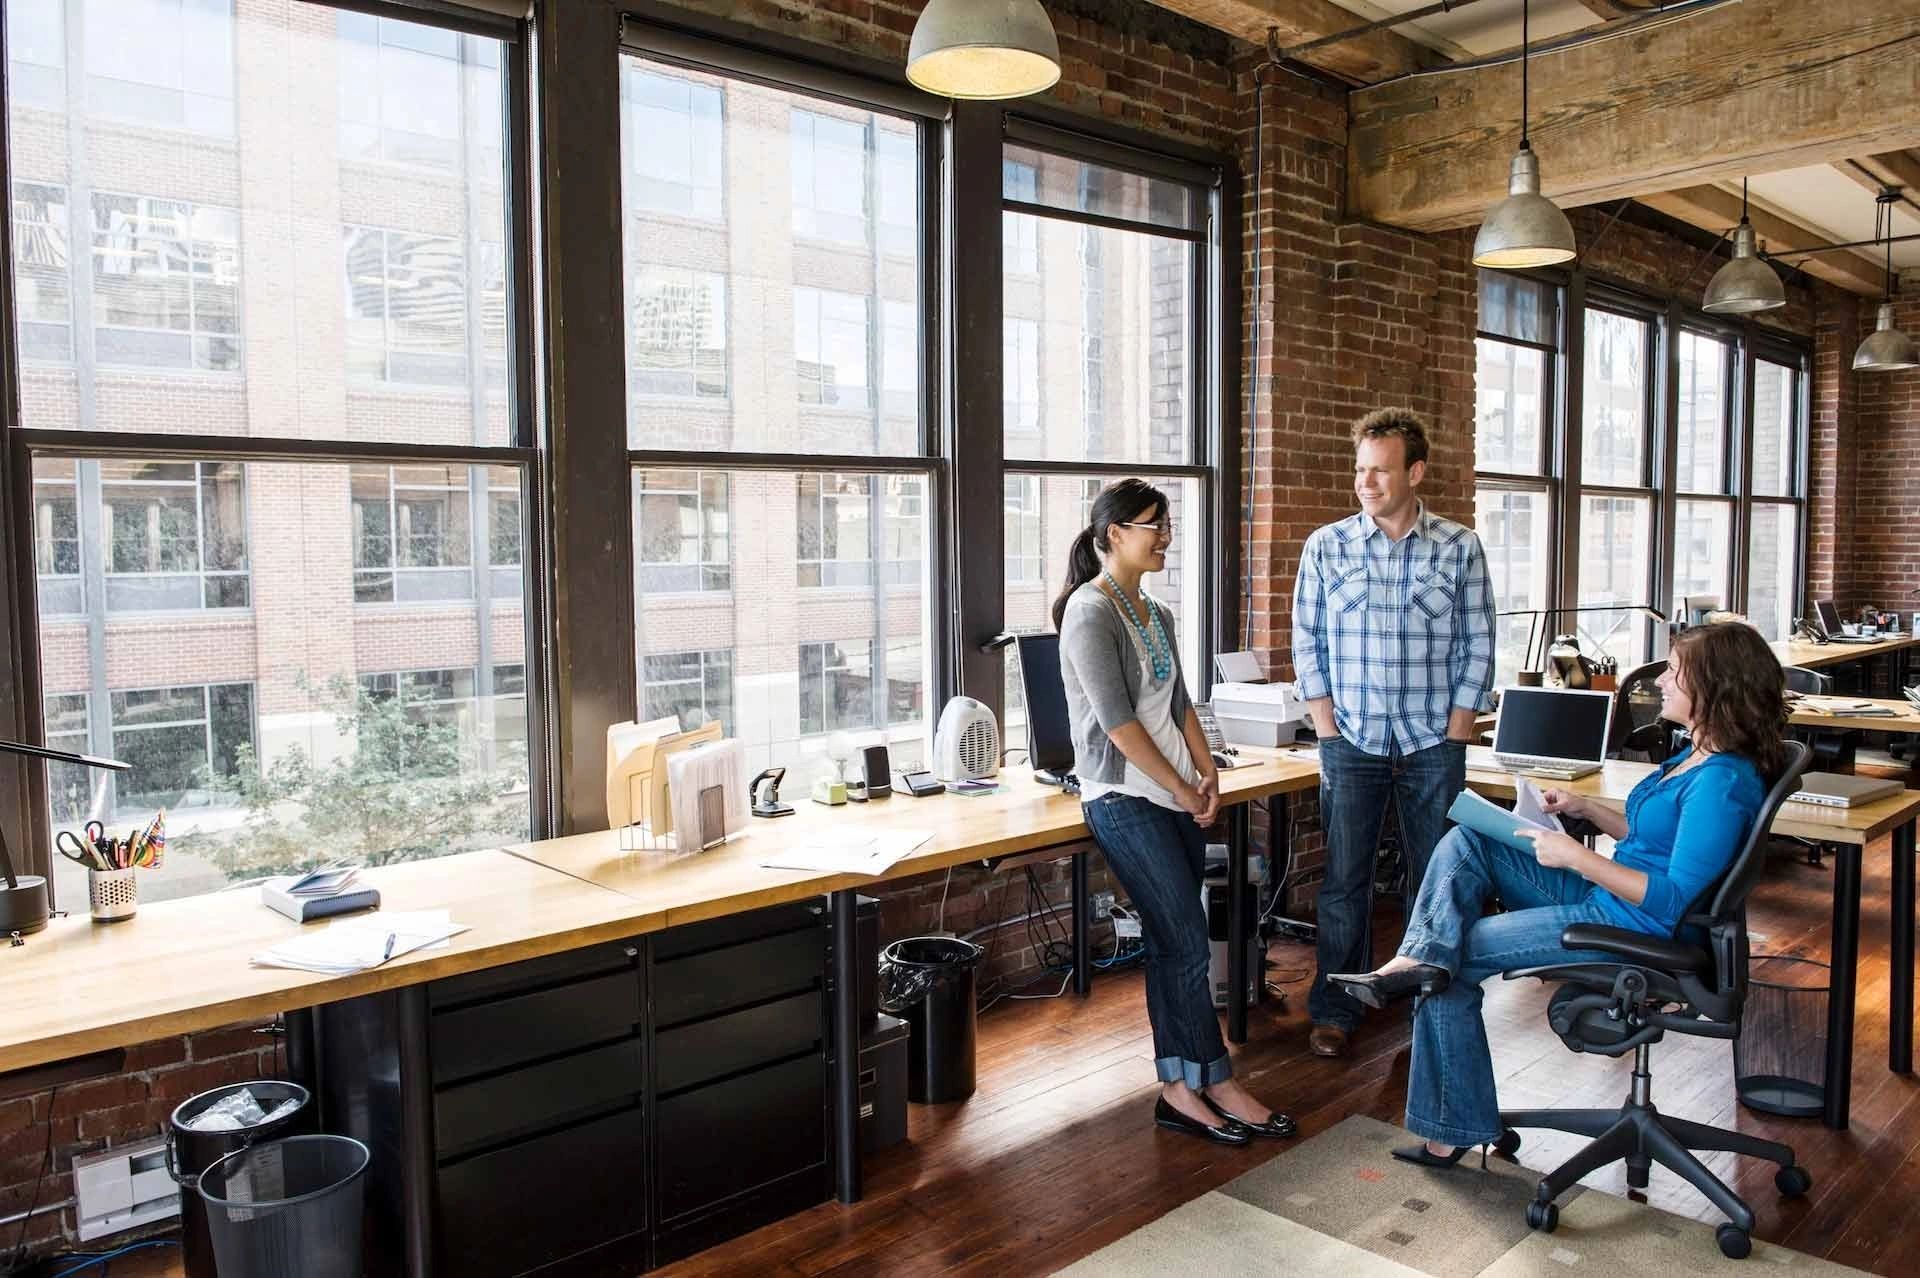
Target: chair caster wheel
{"type": "Point", "coordinates": [1792, 1181]}
{"type": "Point", "coordinates": [1509, 1143]}
{"type": "Point", "coordinates": [1545, 1217]}
{"type": "Point", "coordinates": [1734, 1243]}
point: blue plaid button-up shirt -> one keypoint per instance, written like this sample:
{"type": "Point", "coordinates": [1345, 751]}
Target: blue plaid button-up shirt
{"type": "Point", "coordinates": [1398, 633]}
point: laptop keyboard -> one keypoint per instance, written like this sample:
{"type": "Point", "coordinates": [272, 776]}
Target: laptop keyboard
{"type": "Point", "coordinates": [1518, 762]}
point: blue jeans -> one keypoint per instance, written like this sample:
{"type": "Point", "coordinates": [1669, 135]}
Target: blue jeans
{"type": "Point", "coordinates": [1355, 789]}
{"type": "Point", "coordinates": [1450, 1092]}
{"type": "Point", "coordinates": [1159, 857]}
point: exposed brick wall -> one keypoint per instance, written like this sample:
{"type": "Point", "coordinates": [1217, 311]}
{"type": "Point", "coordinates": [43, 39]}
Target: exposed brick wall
{"type": "Point", "coordinates": [1886, 563]}
{"type": "Point", "coordinates": [1834, 438]}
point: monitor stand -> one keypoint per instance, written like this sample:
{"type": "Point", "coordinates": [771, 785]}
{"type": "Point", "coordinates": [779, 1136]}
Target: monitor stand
{"type": "Point", "coordinates": [1048, 776]}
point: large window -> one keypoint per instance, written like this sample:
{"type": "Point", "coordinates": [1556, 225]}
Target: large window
{"type": "Point", "coordinates": [279, 235]}
{"type": "Point", "coordinates": [1514, 508]}
{"type": "Point", "coordinates": [680, 531]}
{"type": "Point", "coordinates": [679, 333]}
{"type": "Point", "coordinates": [1726, 531]}
{"type": "Point", "coordinates": [693, 687]}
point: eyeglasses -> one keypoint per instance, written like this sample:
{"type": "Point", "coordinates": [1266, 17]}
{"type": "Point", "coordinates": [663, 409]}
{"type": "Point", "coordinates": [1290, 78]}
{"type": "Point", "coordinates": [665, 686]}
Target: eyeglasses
{"type": "Point", "coordinates": [1159, 528]}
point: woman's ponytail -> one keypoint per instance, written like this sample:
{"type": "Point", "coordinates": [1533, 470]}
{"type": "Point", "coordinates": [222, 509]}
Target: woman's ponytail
{"type": "Point", "coordinates": [1083, 565]}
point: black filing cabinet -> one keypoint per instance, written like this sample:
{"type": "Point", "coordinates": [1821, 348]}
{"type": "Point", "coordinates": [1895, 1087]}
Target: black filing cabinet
{"type": "Point", "coordinates": [594, 1112]}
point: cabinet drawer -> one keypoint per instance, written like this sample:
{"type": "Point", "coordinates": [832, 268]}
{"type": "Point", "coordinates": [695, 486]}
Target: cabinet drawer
{"type": "Point", "coordinates": [720, 980]}
{"type": "Point", "coordinates": [516, 978]}
{"type": "Point", "coordinates": [733, 929]}
{"type": "Point", "coordinates": [719, 1141]}
{"type": "Point", "coordinates": [527, 1205]}
{"type": "Point", "coordinates": [693, 1053]}
{"type": "Point", "coordinates": [472, 1115]}
{"type": "Point", "coordinates": [482, 1037]}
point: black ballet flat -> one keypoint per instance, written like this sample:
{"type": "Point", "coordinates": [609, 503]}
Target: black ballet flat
{"type": "Point", "coordinates": [1377, 991]}
{"type": "Point", "coordinates": [1421, 1156]}
{"type": "Point", "coordinates": [1278, 1125]}
{"type": "Point", "coordinates": [1231, 1132]}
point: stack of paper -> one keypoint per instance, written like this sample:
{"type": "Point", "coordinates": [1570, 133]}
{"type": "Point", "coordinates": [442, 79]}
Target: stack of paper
{"type": "Point", "coordinates": [358, 944]}
{"type": "Point", "coordinates": [850, 853]}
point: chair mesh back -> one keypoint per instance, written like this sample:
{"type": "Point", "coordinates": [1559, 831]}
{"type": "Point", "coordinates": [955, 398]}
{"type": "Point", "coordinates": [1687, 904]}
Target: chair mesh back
{"type": "Point", "coordinates": [1636, 713]}
{"type": "Point", "coordinates": [1730, 894]}
{"type": "Point", "coordinates": [1811, 682]}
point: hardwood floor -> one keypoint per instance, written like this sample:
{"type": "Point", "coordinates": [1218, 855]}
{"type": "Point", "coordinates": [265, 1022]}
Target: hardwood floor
{"type": "Point", "coordinates": [1055, 1156]}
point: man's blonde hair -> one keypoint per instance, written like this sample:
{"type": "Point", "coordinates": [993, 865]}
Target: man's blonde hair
{"type": "Point", "coordinates": [1394, 423]}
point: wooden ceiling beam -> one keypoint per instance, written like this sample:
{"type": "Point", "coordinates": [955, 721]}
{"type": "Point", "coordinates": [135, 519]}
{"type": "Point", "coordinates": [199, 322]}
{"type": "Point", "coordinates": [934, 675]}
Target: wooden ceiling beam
{"type": "Point", "coordinates": [1716, 210]}
{"type": "Point", "coordinates": [1362, 60]}
{"type": "Point", "coordinates": [1741, 88]}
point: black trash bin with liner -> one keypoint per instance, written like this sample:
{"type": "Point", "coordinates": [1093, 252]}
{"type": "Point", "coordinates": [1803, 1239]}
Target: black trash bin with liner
{"type": "Point", "coordinates": [1780, 1058]}
{"type": "Point", "coordinates": [930, 982]}
{"type": "Point", "coordinates": [191, 1151]}
{"type": "Point", "coordinates": [288, 1207]}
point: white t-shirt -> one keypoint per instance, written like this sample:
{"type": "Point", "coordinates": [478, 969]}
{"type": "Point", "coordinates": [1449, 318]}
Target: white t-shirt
{"type": "Point", "coordinates": [1155, 712]}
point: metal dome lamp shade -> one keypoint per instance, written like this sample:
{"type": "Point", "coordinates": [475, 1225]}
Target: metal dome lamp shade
{"type": "Point", "coordinates": [983, 49]}
{"type": "Point", "coordinates": [1889, 350]}
{"type": "Point", "coordinates": [1746, 284]}
{"type": "Point", "coordinates": [1525, 229]}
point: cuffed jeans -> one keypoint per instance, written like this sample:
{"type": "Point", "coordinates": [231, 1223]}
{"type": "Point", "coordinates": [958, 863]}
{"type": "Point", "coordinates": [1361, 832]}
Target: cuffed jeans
{"type": "Point", "coordinates": [1450, 1092]}
{"type": "Point", "coordinates": [1355, 789]}
{"type": "Point", "coordinates": [1159, 857]}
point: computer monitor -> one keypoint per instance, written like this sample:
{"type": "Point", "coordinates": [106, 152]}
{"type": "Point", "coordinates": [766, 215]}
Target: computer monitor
{"type": "Point", "coordinates": [1829, 617]}
{"type": "Point", "coordinates": [1554, 723]}
{"type": "Point", "coordinates": [1049, 731]}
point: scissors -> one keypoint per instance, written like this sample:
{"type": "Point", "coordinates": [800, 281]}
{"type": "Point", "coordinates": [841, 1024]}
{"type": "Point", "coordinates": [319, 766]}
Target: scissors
{"type": "Point", "coordinates": [81, 853]}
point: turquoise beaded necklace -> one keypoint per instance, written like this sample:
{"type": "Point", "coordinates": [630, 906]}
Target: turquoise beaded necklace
{"type": "Point", "coordinates": [1159, 651]}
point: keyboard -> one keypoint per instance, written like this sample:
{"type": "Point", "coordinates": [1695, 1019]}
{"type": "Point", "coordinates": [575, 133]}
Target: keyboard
{"type": "Point", "coordinates": [1555, 769]}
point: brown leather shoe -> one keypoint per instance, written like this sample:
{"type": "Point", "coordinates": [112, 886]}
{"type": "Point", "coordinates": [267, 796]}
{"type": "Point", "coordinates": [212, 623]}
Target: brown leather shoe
{"type": "Point", "coordinates": [1328, 1040]}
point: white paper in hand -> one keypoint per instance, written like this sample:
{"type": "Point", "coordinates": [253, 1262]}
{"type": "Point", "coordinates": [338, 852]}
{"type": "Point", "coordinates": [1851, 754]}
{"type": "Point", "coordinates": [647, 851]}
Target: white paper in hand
{"type": "Point", "coordinates": [1530, 805]}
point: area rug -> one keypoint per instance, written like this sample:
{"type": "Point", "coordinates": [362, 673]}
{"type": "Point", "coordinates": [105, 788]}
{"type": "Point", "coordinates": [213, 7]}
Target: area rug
{"type": "Point", "coordinates": [1339, 1204]}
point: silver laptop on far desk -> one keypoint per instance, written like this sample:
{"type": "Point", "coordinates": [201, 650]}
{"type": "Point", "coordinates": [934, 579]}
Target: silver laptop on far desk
{"type": "Point", "coordinates": [1558, 733]}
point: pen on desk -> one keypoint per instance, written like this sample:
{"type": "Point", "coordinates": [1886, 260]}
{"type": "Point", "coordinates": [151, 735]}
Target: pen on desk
{"type": "Point", "coordinates": [391, 937]}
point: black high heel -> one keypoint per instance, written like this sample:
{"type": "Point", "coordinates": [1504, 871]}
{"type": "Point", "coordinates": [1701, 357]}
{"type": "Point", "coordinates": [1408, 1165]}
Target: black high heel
{"type": "Point", "coordinates": [1278, 1125]}
{"type": "Point", "coordinates": [1376, 991]}
{"type": "Point", "coordinates": [1421, 1156]}
{"type": "Point", "coordinates": [1230, 1132]}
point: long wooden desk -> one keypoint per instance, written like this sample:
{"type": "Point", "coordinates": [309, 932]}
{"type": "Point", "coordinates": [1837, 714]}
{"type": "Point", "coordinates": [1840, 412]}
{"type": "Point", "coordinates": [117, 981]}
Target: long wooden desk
{"type": "Point", "coordinates": [1815, 656]}
{"type": "Point", "coordinates": [1905, 716]}
{"type": "Point", "coordinates": [1849, 830]}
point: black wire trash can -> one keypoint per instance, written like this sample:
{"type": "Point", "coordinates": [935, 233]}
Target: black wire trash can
{"type": "Point", "coordinates": [1780, 1058]}
{"type": "Point", "coordinates": [288, 1208]}
{"type": "Point", "coordinates": [191, 1150]}
{"type": "Point", "coordinates": [930, 981]}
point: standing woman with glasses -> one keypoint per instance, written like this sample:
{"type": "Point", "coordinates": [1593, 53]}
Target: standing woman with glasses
{"type": "Point", "coordinates": [1149, 788]}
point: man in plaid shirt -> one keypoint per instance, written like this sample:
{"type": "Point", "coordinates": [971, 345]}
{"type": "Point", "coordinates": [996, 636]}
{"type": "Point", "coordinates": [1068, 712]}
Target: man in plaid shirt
{"type": "Point", "coordinates": [1393, 650]}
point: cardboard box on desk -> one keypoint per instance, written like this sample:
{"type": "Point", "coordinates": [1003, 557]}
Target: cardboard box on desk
{"type": "Point", "coordinates": [637, 755]}
{"type": "Point", "coordinates": [1258, 714]}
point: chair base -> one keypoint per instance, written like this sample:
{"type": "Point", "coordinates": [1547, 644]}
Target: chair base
{"type": "Point", "coordinates": [1640, 1135]}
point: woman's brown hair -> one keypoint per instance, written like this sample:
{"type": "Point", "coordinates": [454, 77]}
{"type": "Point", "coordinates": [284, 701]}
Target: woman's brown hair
{"type": "Point", "coordinates": [1738, 692]}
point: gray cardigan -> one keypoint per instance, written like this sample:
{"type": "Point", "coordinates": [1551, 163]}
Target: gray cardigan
{"type": "Point", "coordinates": [1101, 670]}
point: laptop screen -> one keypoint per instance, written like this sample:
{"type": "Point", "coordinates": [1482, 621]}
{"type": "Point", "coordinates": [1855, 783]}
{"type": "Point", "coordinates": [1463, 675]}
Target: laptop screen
{"type": "Point", "coordinates": [1554, 723]}
{"type": "Point", "coordinates": [1829, 617]}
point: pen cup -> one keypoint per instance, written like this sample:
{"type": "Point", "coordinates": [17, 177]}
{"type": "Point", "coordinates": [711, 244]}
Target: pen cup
{"type": "Point", "coordinates": [113, 895]}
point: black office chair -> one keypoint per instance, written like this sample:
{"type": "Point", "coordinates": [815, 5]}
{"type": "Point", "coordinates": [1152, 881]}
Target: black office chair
{"type": "Point", "coordinates": [1616, 1008]}
{"type": "Point", "coordinates": [1833, 750]}
{"type": "Point", "coordinates": [1638, 730]}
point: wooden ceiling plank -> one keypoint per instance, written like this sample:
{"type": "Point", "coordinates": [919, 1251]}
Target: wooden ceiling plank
{"type": "Point", "coordinates": [1712, 209]}
{"type": "Point", "coordinates": [1362, 60]}
{"type": "Point", "coordinates": [1743, 88]}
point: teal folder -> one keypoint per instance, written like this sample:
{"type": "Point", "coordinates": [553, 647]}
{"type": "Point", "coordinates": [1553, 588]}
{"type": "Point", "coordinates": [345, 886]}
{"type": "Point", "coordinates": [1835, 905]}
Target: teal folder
{"type": "Point", "coordinates": [1491, 820]}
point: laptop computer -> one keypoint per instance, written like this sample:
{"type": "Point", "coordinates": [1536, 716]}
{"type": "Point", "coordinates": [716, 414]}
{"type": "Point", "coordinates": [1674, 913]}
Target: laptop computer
{"type": "Point", "coordinates": [1552, 732]}
{"type": "Point", "coordinates": [1828, 618]}
{"type": "Point", "coordinates": [1833, 790]}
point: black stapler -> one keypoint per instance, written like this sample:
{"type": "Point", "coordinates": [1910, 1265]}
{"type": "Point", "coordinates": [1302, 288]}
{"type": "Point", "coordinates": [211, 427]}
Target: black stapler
{"type": "Point", "coordinates": [766, 794]}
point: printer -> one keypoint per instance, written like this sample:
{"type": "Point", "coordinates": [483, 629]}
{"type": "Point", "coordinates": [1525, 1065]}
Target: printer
{"type": "Point", "coordinates": [1258, 714]}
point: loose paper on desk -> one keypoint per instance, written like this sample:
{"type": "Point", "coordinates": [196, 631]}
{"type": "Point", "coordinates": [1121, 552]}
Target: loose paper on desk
{"type": "Point", "coordinates": [355, 945]}
{"type": "Point", "coordinates": [1495, 821]}
{"type": "Point", "coordinates": [847, 853]}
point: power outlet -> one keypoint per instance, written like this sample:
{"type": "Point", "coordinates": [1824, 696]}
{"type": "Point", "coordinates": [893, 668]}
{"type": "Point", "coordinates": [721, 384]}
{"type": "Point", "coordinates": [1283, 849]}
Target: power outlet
{"type": "Point", "coordinates": [1102, 905]}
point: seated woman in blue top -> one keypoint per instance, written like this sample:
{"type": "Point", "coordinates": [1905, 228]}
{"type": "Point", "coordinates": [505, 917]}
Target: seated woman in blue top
{"type": "Point", "coordinates": [1683, 826]}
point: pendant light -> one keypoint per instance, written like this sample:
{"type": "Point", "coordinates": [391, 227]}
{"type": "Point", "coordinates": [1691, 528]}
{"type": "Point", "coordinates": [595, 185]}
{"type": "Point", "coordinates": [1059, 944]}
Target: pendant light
{"type": "Point", "coordinates": [1746, 284]}
{"type": "Point", "coordinates": [983, 49]}
{"type": "Point", "coordinates": [1889, 350]}
{"type": "Point", "coordinates": [1525, 229]}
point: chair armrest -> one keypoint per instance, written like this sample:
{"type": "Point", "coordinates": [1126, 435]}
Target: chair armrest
{"type": "Point", "coordinates": [1637, 947]}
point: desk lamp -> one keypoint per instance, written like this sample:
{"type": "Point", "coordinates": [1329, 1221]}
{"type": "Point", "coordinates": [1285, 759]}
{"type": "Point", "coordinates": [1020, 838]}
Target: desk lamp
{"type": "Point", "coordinates": [23, 900]}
